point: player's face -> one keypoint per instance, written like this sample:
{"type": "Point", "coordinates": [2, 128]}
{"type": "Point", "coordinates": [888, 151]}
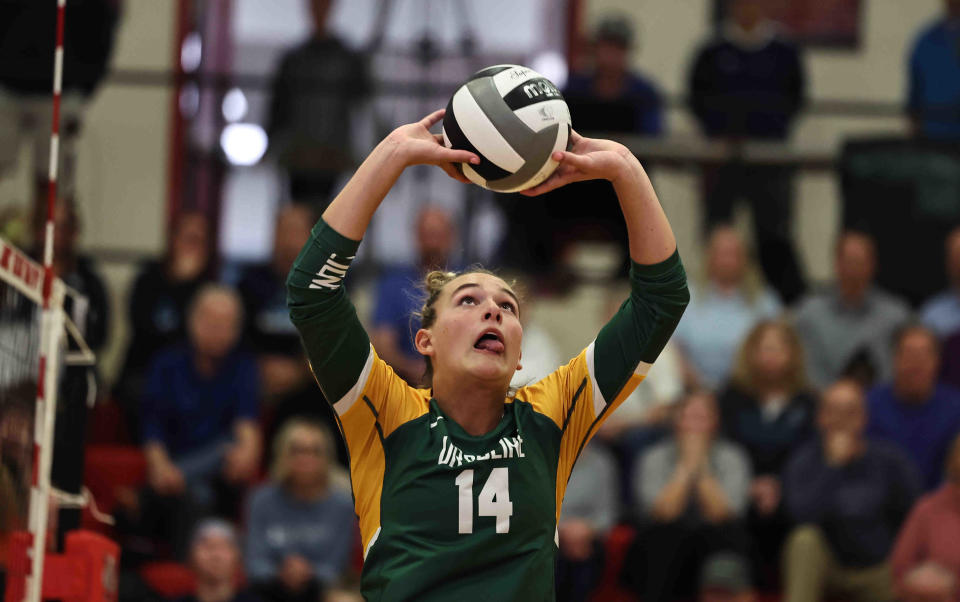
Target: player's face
{"type": "Point", "coordinates": [477, 332]}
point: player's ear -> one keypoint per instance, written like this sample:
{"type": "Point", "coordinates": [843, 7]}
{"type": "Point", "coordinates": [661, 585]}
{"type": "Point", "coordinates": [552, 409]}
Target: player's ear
{"type": "Point", "coordinates": [423, 341]}
{"type": "Point", "coordinates": [519, 365]}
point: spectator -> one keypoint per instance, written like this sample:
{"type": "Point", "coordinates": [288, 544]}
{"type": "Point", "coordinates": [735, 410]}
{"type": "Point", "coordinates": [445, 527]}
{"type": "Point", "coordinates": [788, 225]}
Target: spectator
{"type": "Point", "coordinates": [915, 411]}
{"type": "Point", "coordinates": [934, 94]}
{"type": "Point", "coordinates": [846, 329]}
{"type": "Point", "coordinates": [848, 495]}
{"type": "Point", "coordinates": [301, 526]}
{"type": "Point", "coordinates": [942, 312]}
{"type": "Point", "coordinates": [398, 295]}
{"type": "Point", "coordinates": [748, 82]}
{"type": "Point", "coordinates": [768, 411]}
{"type": "Point", "coordinates": [726, 578]}
{"type": "Point", "coordinates": [722, 312]}
{"type": "Point", "coordinates": [318, 86]}
{"type": "Point", "coordinates": [288, 387]}
{"type": "Point", "coordinates": [931, 533]}
{"type": "Point", "coordinates": [200, 433]}
{"type": "Point", "coordinates": [215, 560]}
{"type": "Point", "coordinates": [590, 509]}
{"type": "Point", "coordinates": [159, 299]}
{"type": "Point", "coordinates": [611, 98]}
{"type": "Point", "coordinates": [693, 490]}
{"type": "Point", "coordinates": [26, 79]}
{"type": "Point", "coordinates": [929, 582]}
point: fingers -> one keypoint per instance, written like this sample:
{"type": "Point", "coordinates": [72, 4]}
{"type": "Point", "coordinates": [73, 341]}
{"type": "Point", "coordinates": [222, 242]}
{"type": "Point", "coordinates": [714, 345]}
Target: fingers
{"type": "Point", "coordinates": [572, 159]}
{"type": "Point", "coordinates": [457, 156]}
{"type": "Point", "coordinates": [574, 137]}
{"type": "Point", "coordinates": [552, 183]}
{"type": "Point", "coordinates": [433, 118]}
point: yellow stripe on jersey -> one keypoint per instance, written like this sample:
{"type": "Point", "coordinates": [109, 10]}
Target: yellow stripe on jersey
{"type": "Point", "coordinates": [571, 398]}
{"type": "Point", "coordinates": [377, 404]}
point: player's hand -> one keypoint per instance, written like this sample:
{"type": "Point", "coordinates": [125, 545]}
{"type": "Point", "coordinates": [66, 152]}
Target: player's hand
{"type": "Point", "coordinates": [417, 146]}
{"type": "Point", "coordinates": [587, 159]}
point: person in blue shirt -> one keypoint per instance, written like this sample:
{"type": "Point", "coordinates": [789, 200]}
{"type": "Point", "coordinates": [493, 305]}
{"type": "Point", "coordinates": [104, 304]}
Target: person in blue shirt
{"type": "Point", "coordinates": [934, 86]}
{"type": "Point", "coordinates": [200, 405]}
{"type": "Point", "coordinates": [301, 526]}
{"type": "Point", "coordinates": [398, 296]}
{"type": "Point", "coordinates": [916, 411]}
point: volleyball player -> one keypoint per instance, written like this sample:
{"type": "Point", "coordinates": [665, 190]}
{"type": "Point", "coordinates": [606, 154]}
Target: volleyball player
{"type": "Point", "coordinates": [458, 487]}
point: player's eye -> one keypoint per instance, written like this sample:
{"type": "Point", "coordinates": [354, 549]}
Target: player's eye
{"type": "Point", "coordinates": [467, 300]}
{"type": "Point", "coordinates": [508, 306]}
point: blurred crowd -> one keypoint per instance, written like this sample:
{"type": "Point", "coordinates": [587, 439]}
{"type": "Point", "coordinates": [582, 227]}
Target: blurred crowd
{"type": "Point", "coordinates": [792, 439]}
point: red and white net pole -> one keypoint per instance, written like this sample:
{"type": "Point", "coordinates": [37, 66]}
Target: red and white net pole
{"type": "Point", "coordinates": [51, 325]}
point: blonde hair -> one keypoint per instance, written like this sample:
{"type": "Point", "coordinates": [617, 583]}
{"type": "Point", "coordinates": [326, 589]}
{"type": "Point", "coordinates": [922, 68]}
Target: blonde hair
{"type": "Point", "coordinates": [744, 374]}
{"type": "Point", "coordinates": [432, 286]}
{"type": "Point", "coordinates": [280, 469]}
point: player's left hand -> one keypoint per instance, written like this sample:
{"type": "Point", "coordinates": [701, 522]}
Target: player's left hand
{"type": "Point", "coordinates": [587, 159]}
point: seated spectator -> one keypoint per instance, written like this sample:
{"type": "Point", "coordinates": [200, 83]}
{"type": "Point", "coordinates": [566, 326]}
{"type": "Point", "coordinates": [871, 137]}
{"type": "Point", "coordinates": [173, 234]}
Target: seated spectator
{"type": "Point", "coordinates": [767, 410]}
{"type": "Point", "coordinates": [942, 312]}
{"type": "Point", "coordinates": [161, 293]}
{"type": "Point", "coordinates": [846, 329]}
{"type": "Point", "coordinates": [934, 94]}
{"type": "Point", "coordinates": [722, 312]}
{"type": "Point", "coordinates": [726, 578]}
{"type": "Point", "coordinates": [590, 509]}
{"type": "Point", "coordinates": [288, 387]}
{"type": "Point", "coordinates": [398, 295]}
{"type": "Point", "coordinates": [848, 495]}
{"type": "Point", "coordinates": [931, 533]}
{"type": "Point", "coordinates": [915, 410]}
{"type": "Point", "coordinates": [215, 560]}
{"type": "Point", "coordinates": [929, 582]}
{"type": "Point", "coordinates": [200, 434]}
{"type": "Point", "coordinates": [692, 489]}
{"type": "Point", "coordinates": [301, 526]}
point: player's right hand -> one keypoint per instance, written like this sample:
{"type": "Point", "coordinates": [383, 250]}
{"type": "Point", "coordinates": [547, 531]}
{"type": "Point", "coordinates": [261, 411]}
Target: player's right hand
{"type": "Point", "coordinates": [417, 146]}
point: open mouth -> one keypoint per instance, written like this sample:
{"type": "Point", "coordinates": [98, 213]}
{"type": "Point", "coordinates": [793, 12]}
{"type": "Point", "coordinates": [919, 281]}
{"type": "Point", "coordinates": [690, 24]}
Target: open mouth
{"type": "Point", "coordinates": [491, 341]}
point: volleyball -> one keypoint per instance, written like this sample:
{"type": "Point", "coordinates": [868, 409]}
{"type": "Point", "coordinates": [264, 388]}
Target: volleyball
{"type": "Point", "coordinates": [514, 119]}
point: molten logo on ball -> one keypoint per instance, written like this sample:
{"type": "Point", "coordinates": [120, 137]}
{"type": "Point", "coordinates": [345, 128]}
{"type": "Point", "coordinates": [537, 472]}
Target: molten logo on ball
{"type": "Point", "coordinates": [514, 119]}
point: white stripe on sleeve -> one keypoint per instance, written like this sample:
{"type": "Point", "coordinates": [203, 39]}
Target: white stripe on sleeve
{"type": "Point", "coordinates": [343, 405]}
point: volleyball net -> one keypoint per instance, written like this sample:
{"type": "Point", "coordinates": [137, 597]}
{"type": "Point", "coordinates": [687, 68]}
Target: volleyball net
{"type": "Point", "coordinates": [34, 351]}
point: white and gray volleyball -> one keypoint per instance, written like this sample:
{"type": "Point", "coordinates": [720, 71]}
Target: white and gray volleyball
{"type": "Point", "coordinates": [514, 119]}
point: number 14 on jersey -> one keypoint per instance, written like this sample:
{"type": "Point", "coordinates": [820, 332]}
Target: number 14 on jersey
{"type": "Point", "coordinates": [494, 499]}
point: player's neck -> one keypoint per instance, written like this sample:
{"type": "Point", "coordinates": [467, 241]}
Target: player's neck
{"type": "Point", "coordinates": [476, 407]}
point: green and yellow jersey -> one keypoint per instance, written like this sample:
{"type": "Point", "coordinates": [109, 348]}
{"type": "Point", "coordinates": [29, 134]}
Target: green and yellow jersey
{"type": "Point", "coordinates": [449, 516]}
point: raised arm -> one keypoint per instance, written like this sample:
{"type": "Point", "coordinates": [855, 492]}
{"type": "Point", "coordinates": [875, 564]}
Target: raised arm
{"type": "Point", "coordinates": [336, 343]}
{"type": "Point", "coordinates": [636, 334]}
